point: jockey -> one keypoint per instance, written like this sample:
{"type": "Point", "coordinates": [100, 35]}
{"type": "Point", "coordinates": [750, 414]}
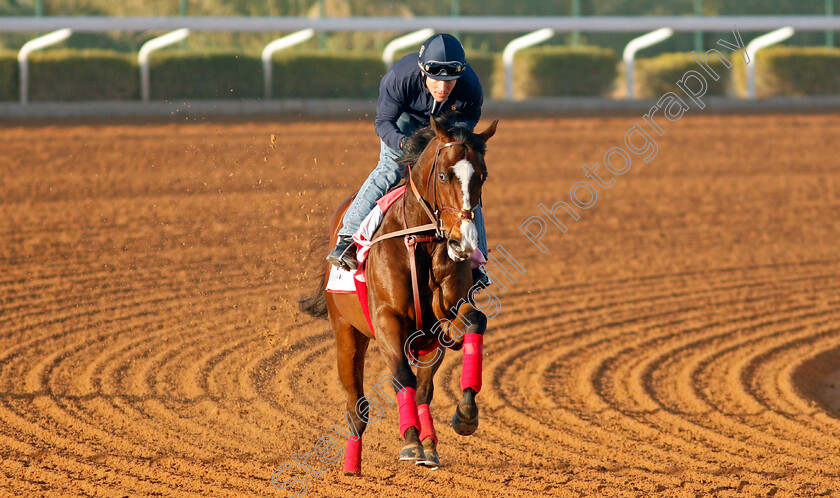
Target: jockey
{"type": "Point", "coordinates": [408, 96]}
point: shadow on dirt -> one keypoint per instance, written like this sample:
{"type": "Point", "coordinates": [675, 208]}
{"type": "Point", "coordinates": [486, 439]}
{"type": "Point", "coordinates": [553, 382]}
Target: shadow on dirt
{"type": "Point", "coordinates": [818, 379]}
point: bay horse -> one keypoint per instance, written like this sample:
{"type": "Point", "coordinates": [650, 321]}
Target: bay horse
{"type": "Point", "coordinates": [416, 282]}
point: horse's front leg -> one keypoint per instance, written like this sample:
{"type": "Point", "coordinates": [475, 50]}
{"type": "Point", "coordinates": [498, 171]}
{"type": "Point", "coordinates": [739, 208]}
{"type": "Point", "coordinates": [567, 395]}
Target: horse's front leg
{"type": "Point", "coordinates": [393, 334]}
{"type": "Point", "coordinates": [429, 364]}
{"type": "Point", "coordinates": [465, 419]}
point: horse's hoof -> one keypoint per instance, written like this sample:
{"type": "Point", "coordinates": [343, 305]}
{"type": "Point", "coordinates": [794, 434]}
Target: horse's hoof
{"type": "Point", "coordinates": [412, 452]}
{"type": "Point", "coordinates": [462, 425]}
{"type": "Point", "coordinates": [430, 459]}
{"type": "Point", "coordinates": [352, 474]}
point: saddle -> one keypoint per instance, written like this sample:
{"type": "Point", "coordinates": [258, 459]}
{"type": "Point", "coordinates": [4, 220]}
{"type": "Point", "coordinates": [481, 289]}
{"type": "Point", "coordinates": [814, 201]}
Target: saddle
{"type": "Point", "coordinates": [341, 281]}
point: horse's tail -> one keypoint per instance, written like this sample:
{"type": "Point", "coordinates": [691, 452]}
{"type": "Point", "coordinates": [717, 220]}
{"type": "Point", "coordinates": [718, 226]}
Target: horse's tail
{"type": "Point", "coordinates": [315, 304]}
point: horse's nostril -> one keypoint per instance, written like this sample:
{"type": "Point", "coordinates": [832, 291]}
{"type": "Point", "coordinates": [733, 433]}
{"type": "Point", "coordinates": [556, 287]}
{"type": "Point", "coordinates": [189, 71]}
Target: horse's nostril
{"type": "Point", "coordinates": [454, 244]}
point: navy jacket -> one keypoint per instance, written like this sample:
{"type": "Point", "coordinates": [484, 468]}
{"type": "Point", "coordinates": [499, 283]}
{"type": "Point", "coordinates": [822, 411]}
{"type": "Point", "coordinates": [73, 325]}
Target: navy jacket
{"type": "Point", "coordinates": [403, 90]}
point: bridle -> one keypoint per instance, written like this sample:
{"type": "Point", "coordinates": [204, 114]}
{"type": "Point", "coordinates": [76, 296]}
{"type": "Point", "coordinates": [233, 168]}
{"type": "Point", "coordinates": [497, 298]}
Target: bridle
{"type": "Point", "coordinates": [441, 230]}
{"type": "Point", "coordinates": [436, 222]}
{"type": "Point", "coordinates": [410, 234]}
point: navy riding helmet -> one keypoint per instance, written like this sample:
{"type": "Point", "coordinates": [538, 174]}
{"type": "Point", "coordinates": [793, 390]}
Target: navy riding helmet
{"type": "Point", "coordinates": [442, 57]}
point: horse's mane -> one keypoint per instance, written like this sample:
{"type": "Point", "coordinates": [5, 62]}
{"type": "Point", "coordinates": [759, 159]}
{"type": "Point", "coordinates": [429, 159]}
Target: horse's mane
{"type": "Point", "coordinates": [417, 142]}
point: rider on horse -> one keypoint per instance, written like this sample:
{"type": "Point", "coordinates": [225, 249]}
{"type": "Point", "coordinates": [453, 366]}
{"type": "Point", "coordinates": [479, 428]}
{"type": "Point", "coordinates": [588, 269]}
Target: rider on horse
{"type": "Point", "coordinates": [408, 97]}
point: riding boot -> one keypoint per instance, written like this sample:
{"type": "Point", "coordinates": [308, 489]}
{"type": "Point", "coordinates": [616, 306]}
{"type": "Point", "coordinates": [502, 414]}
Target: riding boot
{"type": "Point", "coordinates": [344, 254]}
{"type": "Point", "coordinates": [480, 276]}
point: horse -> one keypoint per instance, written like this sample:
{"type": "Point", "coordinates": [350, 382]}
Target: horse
{"type": "Point", "coordinates": [417, 292]}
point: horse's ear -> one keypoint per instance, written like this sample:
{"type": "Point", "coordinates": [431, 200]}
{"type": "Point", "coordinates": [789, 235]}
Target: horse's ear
{"type": "Point", "coordinates": [490, 131]}
{"type": "Point", "coordinates": [439, 128]}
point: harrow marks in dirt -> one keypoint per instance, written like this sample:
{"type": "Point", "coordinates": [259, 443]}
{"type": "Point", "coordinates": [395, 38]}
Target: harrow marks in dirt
{"type": "Point", "coordinates": [681, 338]}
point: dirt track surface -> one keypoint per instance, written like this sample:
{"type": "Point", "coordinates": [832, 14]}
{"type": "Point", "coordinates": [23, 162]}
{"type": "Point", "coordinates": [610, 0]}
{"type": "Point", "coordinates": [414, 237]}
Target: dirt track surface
{"type": "Point", "coordinates": [682, 338]}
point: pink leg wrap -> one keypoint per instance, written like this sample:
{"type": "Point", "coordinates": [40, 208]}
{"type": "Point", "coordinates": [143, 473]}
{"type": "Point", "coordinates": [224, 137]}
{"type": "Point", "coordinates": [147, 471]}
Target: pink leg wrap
{"type": "Point", "coordinates": [473, 354]}
{"type": "Point", "coordinates": [427, 425]}
{"type": "Point", "coordinates": [353, 456]}
{"type": "Point", "coordinates": [407, 400]}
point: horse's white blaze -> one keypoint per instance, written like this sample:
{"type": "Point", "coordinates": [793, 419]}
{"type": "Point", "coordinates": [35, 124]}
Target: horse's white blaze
{"type": "Point", "coordinates": [469, 233]}
{"type": "Point", "coordinates": [464, 171]}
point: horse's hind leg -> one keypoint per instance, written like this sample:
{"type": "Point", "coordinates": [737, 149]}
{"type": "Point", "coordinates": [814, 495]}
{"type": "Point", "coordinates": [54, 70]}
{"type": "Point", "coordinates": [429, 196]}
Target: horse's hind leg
{"type": "Point", "coordinates": [352, 346]}
{"type": "Point", "coordinates": [425, 390]}
{"type": "Point", "coordinates": [465, 419]}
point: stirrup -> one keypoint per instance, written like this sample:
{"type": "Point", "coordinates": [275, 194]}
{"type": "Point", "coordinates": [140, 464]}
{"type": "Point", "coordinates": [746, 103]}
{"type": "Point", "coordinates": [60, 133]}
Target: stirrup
{"type": "Point", "coordinates": [344, 253]}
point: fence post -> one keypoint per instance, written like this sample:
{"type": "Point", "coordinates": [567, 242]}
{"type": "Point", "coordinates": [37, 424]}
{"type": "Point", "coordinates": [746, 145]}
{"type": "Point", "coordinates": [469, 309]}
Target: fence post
{"type": "Point", "coordinates": [637, 44]}
{"type": "Point", "coordinates": [698, 35]}
{"type": "Point", "coordinates": [322, 13]}
{"type": "Point", "coordinates": [28, 48]}
{"type": "Point", "coordinates": [283, 43]}
{"type": "Point", "coordinates": [149, 47]}
{"type": "Point", "coordinates": [455, 11]}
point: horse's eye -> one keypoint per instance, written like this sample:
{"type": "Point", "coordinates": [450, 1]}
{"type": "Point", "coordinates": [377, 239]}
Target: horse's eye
{"type": "Point", "coordinates": [442, 177]}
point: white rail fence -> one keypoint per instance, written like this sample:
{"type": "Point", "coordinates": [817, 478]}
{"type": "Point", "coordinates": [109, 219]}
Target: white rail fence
{"type": "Point", "coordinates": [410, 40]}
{"type": "Point", "coordinates": [636, 44]}
{"type": "Point", "coordinates": [31, 46]}
{"type": "Point", "coordinates": [277, 45]}
{"type": "Point", "coordinates": [763, 41]}
{"type": "Point", "coordinates": [461, 24]}
{"type": "Point", "coordinates": [541, 28]}
{"type": "Point", "coordinates": [516, 45]}
{"type": "Point", "coordinates": [149, 47]}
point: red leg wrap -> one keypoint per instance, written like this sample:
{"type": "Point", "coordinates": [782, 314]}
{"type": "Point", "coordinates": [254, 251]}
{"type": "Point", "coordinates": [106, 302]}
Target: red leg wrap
{"type": "Point", "coordinates": [427, 425]}
{"type": "Point", "coordinates": [407, 400]}
{"type": "Point", "coordinates": [353, 456]}
{"type": "Point", "coordinates": [473, 354]}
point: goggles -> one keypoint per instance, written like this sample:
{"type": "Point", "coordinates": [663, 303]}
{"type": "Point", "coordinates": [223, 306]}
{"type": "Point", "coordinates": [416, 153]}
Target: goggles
{"type": "Point", "coordinates": [435, 68]}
